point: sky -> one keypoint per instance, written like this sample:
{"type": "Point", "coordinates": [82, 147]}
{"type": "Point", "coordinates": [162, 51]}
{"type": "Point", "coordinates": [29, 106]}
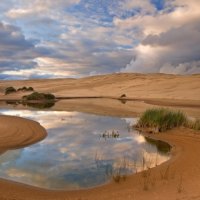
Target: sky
{"type": "Point", "coordinates": [77, 38]}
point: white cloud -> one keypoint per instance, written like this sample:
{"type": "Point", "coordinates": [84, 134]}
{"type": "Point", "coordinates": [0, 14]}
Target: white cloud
{"type": "Point", "coordinates": [131, 35]}
{"type": "Point", "coordinates": [182, 68]}
{"type": "Point", "coordinates": [43, 7]}
{"type": "Point", "coordinates": [170, 42]}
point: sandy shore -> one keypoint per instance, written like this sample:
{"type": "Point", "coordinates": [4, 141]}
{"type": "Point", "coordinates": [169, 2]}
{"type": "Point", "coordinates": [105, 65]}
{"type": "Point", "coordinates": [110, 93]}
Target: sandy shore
{"type": "Point", "coordinates": [176, 179]}
{"type": "Point", "coordinates": [16, 132]}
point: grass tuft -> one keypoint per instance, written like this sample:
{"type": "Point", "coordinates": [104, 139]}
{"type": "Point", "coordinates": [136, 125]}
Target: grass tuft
{"type": "Point", "coordinates": [194, 124]}
{"type": "Point", "coordinates": [161, 119]}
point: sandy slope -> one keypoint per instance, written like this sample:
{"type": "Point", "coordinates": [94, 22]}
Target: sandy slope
{"type": "Point", "coordinates": [156, 86]}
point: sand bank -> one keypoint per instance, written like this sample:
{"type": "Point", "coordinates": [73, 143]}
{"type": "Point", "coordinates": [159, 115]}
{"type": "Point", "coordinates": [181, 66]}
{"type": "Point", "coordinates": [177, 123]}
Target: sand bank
{"type": "Point", "coordinates": [16, 132]}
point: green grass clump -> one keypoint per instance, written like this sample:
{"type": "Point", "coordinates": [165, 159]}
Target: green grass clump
{"type": "Point", "coordinates": [39, 96]}
{"type": "Point", "coordinates": [161, 119]}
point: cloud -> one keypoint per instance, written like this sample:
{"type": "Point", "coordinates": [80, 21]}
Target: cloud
{"type": "Point", "coordinates": [183, 68]}
{"type": "Point", "coordinates": [12, 38]}
{"type": "Point", "coordinates": [173, 16]}
{"type": "Point", "coordinates": [68, 42]}
{"type": "Point", "coordinates": [145, 6]}
{"type": "Point", "coordinates": [172, 48]}
{"type": "Point", "coordinates": [79, 37]}
{"type": "Point", "coordinates": [14, 49]}
{"type": "Point", "coordinates": [40, 7]}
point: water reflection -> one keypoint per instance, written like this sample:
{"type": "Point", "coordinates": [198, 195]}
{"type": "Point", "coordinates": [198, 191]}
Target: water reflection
{"type": "Point", "coordinates": [39, 105]}
{"type": "Point", "coordinates": [74, 155]}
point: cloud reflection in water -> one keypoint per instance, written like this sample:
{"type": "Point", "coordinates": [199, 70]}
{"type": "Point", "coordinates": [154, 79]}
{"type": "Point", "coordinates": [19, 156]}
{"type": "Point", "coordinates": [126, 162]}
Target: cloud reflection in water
{"type": "Point", "coordinates": [73, 155]}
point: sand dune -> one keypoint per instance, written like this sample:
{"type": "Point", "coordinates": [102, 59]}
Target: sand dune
{"type": "Point", "coordinates": [140, 86]}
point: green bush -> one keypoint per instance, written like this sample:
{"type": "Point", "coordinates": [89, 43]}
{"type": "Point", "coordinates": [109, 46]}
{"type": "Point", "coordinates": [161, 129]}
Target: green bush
{"type": "Point", "coordinates": [39, 96]}
{"type": "Point", "coordinates": [30, 89]}
{"type": "Point", "coordinates": [161, 119]}
{"type": "Point", "coordinates": [25, 89]}
{"type": "Point", "coordinates": [9, 90]}
{"type": "Point", "coordinates": [49, 96]}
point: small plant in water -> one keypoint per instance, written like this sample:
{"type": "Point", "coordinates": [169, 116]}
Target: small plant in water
{"type": "Point", "coordinates": [110, 134]}
{"type": "Point", "coordinates": [120, 173]}
{"type": "Point", "coordinates": [117, 177]}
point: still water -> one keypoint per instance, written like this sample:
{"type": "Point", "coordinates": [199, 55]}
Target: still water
{"type": "Point", "coordinates": [80, 151]}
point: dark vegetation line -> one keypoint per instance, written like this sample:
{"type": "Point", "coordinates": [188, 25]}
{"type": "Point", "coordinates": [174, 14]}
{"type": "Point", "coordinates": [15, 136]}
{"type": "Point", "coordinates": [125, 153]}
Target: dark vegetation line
{"type": "Point", "coordinates": [10, 90]}
{"type": "Point", "coordinates": [34, 96]}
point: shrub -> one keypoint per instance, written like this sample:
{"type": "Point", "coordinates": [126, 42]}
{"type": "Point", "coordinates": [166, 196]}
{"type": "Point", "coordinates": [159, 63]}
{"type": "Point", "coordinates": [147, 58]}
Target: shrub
{"type": "Point", "coordinates": [161, 119]}
{"type": "Point", "coordinates": [25, 89]}
{"type": "Point", "coordinates": [123, 96]}
{"type": "Point", "coordinates": [30, 89]}
{"type": "Point", "coordinates": [49, 96]}
{"type": "Point", "coordinates": [9, 90]}
{"type": "Point", "coordinates": [39, 96]}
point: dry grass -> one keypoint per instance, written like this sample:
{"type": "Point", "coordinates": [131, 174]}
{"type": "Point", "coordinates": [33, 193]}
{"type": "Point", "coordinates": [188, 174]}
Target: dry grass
{"type": "Point", "coordinates": [194, 124]}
